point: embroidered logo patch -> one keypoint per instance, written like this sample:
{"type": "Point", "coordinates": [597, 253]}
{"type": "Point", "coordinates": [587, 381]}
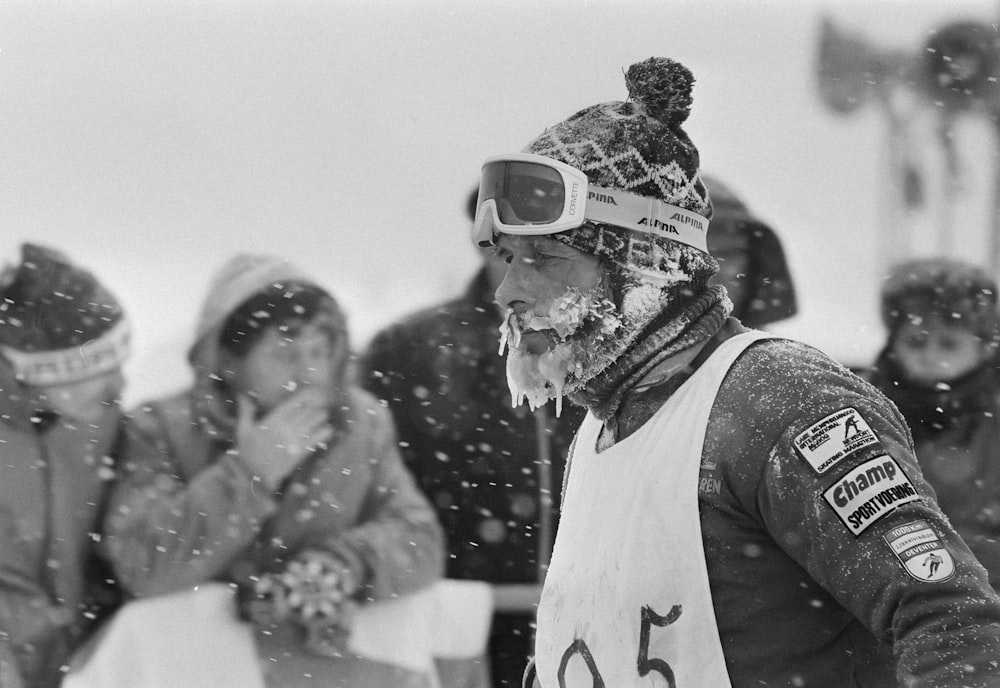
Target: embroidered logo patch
{"type": "Point", "coordinates": [835, 437]}
{"type": "Point", "coordinates": [921, 552]}
{"type": "Point", "coordinates": [868, 492]}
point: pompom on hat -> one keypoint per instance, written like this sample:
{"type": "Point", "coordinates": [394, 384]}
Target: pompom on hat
{"type": "Point", "coordinates": [58, 323]}
{"type": "Point", "coordinates": [950, 290]}
{"type": "Point", "coordinates": [638, 146]}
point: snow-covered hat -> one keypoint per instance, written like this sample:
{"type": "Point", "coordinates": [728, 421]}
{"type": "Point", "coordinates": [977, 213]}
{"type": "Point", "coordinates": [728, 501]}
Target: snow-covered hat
{"type": "Point", "coordinates": [951, 290]}
{"type": "Point", "coordinates": [639, 146]}
{"type": "Point", "coordinates": [58, 323]}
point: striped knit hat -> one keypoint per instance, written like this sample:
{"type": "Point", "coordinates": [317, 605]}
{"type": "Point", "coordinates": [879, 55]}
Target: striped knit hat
{"type": "Point", "coordinates": [58, 324]}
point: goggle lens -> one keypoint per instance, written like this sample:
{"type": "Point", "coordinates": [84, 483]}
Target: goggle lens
{"type": "Point", "coordinates": [525, 193]}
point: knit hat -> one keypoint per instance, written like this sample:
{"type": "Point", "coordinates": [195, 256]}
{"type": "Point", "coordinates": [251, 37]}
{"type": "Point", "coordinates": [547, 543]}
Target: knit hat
{"type": "Point", "coordinates": [236, 281]}
{"type": "Point", "coordinates": [765, 292]}
{"type": "Point", "coordinates": [241, 278]}
{"type": "Point", "coordinates": [951, 290]}
{"type": "Point", "coordinates": [58, 324]}
{"type": "Point", "coordinates": [638, 146]}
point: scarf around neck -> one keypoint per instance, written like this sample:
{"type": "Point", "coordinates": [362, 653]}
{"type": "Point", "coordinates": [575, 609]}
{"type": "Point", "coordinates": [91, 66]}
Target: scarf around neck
{"type": "Point", "coordinates": [671, 334]}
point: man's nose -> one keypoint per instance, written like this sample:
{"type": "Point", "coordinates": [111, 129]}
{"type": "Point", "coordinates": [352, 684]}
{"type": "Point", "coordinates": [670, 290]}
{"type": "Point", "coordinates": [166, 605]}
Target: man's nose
{"type": "Point", "coordinates": [514, 290]}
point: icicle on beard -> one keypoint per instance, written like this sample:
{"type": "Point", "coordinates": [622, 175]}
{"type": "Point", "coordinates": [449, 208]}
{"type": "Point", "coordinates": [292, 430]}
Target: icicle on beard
{"type": "Point", "coordinates": [574, 324]}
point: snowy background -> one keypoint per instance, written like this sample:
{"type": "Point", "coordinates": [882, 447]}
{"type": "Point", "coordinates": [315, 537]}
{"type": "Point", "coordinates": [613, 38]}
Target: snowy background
{"type": "Point", "coordinates": [152, 140]}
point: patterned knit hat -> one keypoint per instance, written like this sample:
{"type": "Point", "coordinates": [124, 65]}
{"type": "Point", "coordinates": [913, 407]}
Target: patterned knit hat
{"type": "Point", "coordinates": [638, 146]}
{"type": "Point", "coordinates": [951, 290]}
{"type": "Point", "coordinates": [58, 324]}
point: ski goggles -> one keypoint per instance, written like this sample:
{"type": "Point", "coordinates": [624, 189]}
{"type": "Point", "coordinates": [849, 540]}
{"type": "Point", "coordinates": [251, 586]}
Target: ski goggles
{"type": "Point", "coordinates": [532, 195]}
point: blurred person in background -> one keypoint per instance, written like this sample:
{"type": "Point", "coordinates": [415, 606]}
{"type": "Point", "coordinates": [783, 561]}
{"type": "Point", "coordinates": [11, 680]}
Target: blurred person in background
{"type": "Point", "coordinates": [276, 474]}
{"type": "Point", "coordinates": [751, 259]}
{"type": "Point", "coordinates": [493, 472]}
{"type": "Point", "coordinates": [939, 366]}
{"type": "Point", "coordinates": [739, 509]}
{"type": "Point", "coordinates": [63, 340]}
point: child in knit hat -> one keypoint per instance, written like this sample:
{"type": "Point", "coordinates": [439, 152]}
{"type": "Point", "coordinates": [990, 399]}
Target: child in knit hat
{"type": "Point", "coordinates": [939, 367]}
{"type": "Point", "coordinates": [738, 509]}
{"type": "Point", "coordinates": [275, 474]}
{"type": "Point", "coordinates": [63, 340]}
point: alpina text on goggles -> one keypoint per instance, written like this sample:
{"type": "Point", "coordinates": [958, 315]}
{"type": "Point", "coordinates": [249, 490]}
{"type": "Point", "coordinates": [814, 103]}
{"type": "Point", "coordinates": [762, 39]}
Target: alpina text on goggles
{"type": "Point", "coordinates": [531, 195]}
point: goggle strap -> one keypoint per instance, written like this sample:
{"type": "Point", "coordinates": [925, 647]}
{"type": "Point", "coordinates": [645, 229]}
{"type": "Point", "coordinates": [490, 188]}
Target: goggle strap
{"type": "Point", "coordinates": [483, 228]}
{"type": "Point", "coordinates": [646, 215]}
{"type": "Point", "coordinates": [609, 206]}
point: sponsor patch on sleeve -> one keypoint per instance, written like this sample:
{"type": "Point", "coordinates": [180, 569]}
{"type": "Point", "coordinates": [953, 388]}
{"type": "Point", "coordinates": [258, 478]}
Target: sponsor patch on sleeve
{"type": "Point", "coordinates": [835, 437]}
{"type": "Point", "coordinates": [921, 552]}
{"type": "Point", "coordinates": [868, 492]}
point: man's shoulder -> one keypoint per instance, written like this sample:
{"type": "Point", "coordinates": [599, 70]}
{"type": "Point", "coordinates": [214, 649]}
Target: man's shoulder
{"type": "Point", "coordinates": [798, 367]}
{"type": "Point", "coordinates": [441, 342]}
{"type": "Point", "coordinates": [436, 322]}
{"type": "Point", "coordinates": [779, 386]}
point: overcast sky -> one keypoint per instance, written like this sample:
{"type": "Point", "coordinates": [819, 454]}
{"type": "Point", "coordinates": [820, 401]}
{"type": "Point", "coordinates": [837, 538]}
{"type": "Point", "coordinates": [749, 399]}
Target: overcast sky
{"type": "Point", "coordinates": [153, 140]}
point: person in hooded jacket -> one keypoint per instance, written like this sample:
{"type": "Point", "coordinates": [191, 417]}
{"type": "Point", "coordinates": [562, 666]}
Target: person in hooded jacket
{"type": "Point", "coordinates": [275, 473]}
{"type": "Point", "coordinates": [492, 471]}
{"type": "Point", "coordinates": [63, 340]}
{"type": "Point", "coordinates": [939, 366]}
{"type": "Point", "coordinates": [752, 264]}
{"type": "Point", "coordinates": [738, 509]}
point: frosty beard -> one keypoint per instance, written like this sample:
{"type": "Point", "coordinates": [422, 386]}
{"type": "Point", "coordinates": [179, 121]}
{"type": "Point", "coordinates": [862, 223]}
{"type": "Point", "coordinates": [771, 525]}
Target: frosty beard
{"type": "Point", "coordinates": [576, 325]}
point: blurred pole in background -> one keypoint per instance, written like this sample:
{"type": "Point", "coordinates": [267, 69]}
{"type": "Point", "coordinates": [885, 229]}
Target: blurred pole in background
{"type": "Point", "coordinates": [953, 76]}
{"type": "Point", "coordinates": [958, 71]}
{"type": "Point", "coordinates": [851, 73]}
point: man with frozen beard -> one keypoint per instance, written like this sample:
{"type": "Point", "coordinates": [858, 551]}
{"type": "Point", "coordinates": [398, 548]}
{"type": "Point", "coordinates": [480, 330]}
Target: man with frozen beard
{"type": "Point", "coordinates": [739, 510]}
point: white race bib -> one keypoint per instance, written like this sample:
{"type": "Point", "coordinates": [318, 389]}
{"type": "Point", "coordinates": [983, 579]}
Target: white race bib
{"type": "Point", "coordinates": [626, 600]}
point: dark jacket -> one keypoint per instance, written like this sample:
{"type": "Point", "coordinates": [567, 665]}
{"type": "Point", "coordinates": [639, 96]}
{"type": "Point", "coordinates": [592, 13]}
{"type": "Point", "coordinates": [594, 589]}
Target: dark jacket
{"type": "Point", "coordinates": [490, 470]}
{"type": "Point", "coordinates": [752, 264]}
{"type": "Point", "coordinates": [956, 431]}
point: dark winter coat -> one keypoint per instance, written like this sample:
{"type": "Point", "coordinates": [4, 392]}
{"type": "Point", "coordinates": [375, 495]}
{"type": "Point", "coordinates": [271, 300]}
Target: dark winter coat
{"type": "Point", "coordinates": [489, 470]}
{"type": "Point", "coordinates": [752, 264]}
{"type": "Point", "coordinates": [54, 477]}
{"type": "Point", "coordinates": [956, 431]}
